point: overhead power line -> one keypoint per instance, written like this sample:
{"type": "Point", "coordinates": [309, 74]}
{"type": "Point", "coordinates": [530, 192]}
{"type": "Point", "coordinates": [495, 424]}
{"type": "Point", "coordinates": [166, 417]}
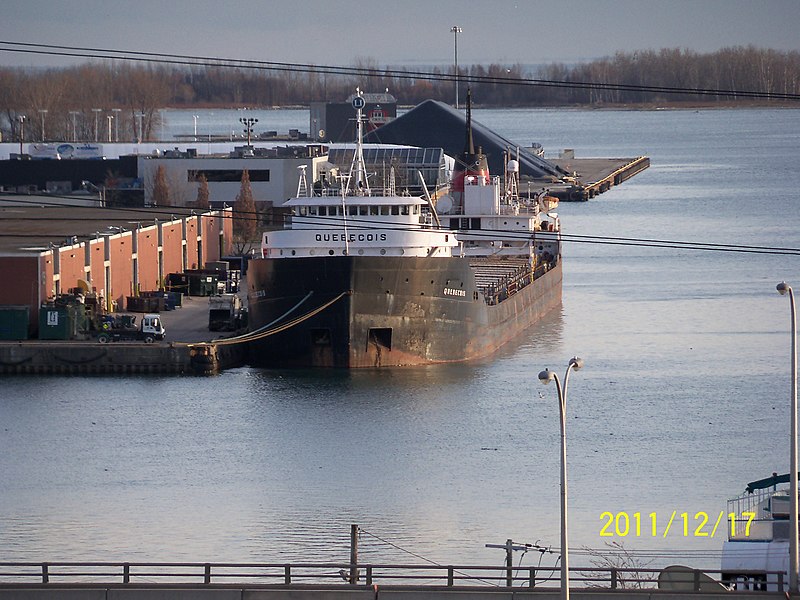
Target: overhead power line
{"type": "Point", "coordinates": [207, 61]}
{"type": "Point", "coordinates": [336, 223]}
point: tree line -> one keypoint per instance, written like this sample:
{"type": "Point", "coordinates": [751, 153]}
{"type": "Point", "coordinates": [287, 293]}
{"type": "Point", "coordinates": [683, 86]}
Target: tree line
{"type": "Point", "coordinates": [120, 100]}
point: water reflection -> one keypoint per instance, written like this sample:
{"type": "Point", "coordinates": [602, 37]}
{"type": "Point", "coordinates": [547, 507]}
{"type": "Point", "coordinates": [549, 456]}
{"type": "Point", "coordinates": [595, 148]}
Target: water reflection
{"type": "Point", "coordinates": [682, 400]}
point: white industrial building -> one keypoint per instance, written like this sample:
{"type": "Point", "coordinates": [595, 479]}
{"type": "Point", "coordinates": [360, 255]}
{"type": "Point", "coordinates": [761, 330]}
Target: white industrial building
{"type": "Point", "coordinates": [274, 173]}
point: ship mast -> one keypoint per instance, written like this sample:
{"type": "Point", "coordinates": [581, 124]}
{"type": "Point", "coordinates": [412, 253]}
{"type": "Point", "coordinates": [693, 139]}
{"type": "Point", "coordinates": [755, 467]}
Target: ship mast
{"type": "Point", "coordinates": [469, 145]}
{"type": "Point", "coordinates": [358, 168]}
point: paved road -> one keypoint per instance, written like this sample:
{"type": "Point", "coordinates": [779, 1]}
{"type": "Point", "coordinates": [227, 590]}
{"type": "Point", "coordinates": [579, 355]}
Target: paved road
{"type": "Point", "coordinates": [190, 322]}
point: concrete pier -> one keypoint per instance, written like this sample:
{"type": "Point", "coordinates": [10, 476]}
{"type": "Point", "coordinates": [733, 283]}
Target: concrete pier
{"type": "Point", "coordinates": [92, 358]}
{"type": "Point", "coordinates": [194, 351]}
{"type": "Point", "coordinates": [594, 176]}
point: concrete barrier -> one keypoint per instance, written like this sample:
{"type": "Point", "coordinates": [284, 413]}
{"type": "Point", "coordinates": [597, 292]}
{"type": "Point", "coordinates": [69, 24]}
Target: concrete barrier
{"type": "Point", "coordinates": [244, 592]}
{"type": "Point", "coordinates": [194, 593]}
{"type": "Point", "coordinates": [52, 593]}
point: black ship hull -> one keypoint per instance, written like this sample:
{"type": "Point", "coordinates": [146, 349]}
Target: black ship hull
{"type": "Point", "coordinates": [385, 311]}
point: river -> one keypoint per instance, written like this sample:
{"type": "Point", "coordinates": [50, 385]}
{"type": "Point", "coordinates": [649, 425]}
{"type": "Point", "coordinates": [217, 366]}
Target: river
{"type": "Point", "coordinates": [684, 397]}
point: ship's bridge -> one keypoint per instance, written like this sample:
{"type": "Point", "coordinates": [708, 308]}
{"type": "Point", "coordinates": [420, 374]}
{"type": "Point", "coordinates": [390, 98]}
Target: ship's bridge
{"type": "Point", "coordinates": [381, 211]}
{"type": "Point", "coordinates": [358, 225]}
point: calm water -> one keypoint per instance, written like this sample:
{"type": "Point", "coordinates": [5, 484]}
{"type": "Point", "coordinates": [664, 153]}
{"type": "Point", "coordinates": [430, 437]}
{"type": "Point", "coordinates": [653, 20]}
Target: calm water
{"type": "Point", "coordinates": [683, 400]}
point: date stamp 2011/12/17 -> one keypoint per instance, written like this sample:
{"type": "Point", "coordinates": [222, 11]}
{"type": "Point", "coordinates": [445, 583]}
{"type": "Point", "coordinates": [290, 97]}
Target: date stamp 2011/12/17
{"type": "Point", "coordinates": [636, 524]}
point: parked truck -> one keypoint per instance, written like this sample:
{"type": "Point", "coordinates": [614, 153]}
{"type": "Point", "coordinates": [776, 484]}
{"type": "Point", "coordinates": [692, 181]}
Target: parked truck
{"type": "Point", "coordinates": [122, 328]}
{"type": "Point", "coordinates": [224, 312]}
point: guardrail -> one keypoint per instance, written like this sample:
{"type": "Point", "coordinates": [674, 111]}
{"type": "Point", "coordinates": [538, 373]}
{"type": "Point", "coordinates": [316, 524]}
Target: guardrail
{"type": "Point", "coordinates": [281, 574]}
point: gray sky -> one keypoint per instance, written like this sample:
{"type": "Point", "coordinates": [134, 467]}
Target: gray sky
{"type": "Point", "coordinates": [402, 32]}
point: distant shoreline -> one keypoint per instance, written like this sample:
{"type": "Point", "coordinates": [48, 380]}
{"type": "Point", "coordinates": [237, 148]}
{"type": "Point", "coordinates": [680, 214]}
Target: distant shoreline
{"type": "Point", "coordinates": [606, 106]}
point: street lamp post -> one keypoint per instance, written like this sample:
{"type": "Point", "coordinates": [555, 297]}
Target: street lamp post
{"type": "Point", "coordinates": [248, 123]}
{"type": "Point", "coordinates": [116, 112]}
{"type": "Point", "coordinates": [21, 119]}
{"type": "Point", "coordinates": [140, 117]}
{"type": "Point", "coordinates": [794, 560]}
{"type": "Point", "coordinates": [96, 112]}
{"type": "Point", "coordinates": [455, 29]}
{"type": "Point", "coordinates": [74, 114]}
{"type": "Point", "coordinates": [43, 112]}
{"type": "Point", "coordinates": [546, 377]}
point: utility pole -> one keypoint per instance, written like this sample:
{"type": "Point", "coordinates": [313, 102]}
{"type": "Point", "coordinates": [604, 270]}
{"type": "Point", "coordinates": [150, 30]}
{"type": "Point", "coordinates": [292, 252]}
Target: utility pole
{"type": "Point", "coordinates": [455, 30]}
{"type": "Point", "coordinates": [353, 554]}
{"type": "Point", "coordinates": [509, 547]}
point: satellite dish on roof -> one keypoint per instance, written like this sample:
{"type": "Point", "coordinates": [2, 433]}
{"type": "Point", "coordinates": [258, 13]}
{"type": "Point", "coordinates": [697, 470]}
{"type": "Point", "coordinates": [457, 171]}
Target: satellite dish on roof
{"type": "Point", "coordinates": [444, 205]}
{"type": "Point", "coordinates": [321, 133]}
{"type": "Point", "coordinates": [677, 578]}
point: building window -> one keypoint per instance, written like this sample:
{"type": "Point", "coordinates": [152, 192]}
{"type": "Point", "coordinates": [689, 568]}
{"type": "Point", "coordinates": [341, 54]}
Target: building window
{"type": "Point", "coordinates": [228, 175]}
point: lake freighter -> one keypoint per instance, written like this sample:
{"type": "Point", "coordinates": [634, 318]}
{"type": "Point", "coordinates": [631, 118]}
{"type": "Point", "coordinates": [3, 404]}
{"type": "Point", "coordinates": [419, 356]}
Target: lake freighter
{"type": "Point", "coordinates": [366, 278]}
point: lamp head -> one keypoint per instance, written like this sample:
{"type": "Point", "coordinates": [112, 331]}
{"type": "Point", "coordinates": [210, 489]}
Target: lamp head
{"type": "Point", "coordinates": [546, 376]}
{"type": "Point", "coordinates": [576, 363]}
{"type": "Point", "coordinates": [783, 287]}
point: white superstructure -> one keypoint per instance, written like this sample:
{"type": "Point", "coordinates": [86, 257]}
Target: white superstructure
{"type": "Point", "coordinates": [758, 538]}
{"type": "Point", "coordinates": [351, 219]}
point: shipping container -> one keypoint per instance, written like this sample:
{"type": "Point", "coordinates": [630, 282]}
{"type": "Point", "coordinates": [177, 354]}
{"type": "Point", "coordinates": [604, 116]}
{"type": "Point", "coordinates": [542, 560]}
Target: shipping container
{"type": "Point", "coordinates": [60, 322]}
{"type": "Point", "coordinates": [14, 322]}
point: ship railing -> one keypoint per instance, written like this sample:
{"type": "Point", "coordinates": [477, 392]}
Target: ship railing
{"type": "Point", "coordinates": [757, 501]}
{"type": "Point", "coordinates": [503, 288]}
{"type": "Point", "coordinates": [751, 518]}
{"type": "Point", "coordinates": [18, 575]}
{"type": "Point", "coordinates": [543, 267]}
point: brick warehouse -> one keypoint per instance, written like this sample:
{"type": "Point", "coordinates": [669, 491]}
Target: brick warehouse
{"type": "Point", "coordinates": [45, 251]}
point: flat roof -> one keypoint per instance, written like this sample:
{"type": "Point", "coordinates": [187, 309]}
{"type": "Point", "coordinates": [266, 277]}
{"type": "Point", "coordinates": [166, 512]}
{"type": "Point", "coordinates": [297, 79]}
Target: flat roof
{"type": "Point", "coordinates": [29, 228]}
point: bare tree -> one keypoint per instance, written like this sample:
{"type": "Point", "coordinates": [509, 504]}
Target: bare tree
{"type": "Point", "coordinates": [245, 218]}
{"type": "Point", "coordinates": [202, 202]}
{"type": "Point", "coordinates": [629, 570]}
{"type": "Point", "coordinates": [72, 100]}
{"type": "Point", "coordinates": [161, 188]}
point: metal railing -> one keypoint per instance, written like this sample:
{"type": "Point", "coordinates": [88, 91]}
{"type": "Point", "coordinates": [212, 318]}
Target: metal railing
{"type": "Point", "coordinates": [282, 574]}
